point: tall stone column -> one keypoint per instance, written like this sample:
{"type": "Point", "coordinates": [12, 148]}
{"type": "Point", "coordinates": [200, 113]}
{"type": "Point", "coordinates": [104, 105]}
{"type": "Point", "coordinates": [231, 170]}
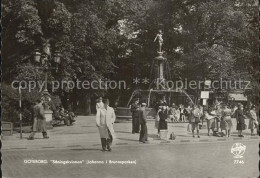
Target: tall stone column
{"type": "Point", "coordinates": [160, 60]}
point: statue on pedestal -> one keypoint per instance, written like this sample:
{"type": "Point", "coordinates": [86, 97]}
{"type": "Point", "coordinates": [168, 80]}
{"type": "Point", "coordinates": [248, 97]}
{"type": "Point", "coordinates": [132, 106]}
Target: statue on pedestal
{"type": "Point", "coordinates": [160, 40]}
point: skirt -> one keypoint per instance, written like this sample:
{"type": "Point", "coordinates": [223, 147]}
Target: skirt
{"type": "Point", "coordinates": [194, 125]}
{"type": "Point", "coordinates": [210, 124]}
{"type": "Point", "coordinates": [163, 125]}
{"type": "Point", "coordinates": [241, 126]}
{"type": "Point", "coordinates": [252, 124]}
{"type": "Point", "coordinates": [226, 123]}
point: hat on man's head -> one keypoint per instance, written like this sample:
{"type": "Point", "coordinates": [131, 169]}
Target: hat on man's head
{"type": "Point", "coordinates": [143, 104]}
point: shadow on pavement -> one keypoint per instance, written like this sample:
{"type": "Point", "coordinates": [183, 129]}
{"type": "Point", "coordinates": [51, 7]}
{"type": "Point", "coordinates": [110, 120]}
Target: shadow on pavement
{"type": "Point", "coordinates": [122, 132]}
{"type": "Point", "coordinates": [85, 149]}
{"type": "Point", "coordinates": [152, 135]}
{"type": "Point", "coordinates": [127, 139]}
{"type": "Point", "coordinates": [178, 126]}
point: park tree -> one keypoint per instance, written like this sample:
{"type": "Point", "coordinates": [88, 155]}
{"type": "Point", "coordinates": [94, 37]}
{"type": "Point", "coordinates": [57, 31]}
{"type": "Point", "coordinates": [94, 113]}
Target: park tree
{"type": "Point", "coordinates": [202, 39]}
{"type": "Point", "coordinates": [113, 39]}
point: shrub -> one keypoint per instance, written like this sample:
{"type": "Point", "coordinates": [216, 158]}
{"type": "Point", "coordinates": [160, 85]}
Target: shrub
{"type": "Point", "coordinates": [10, 104]}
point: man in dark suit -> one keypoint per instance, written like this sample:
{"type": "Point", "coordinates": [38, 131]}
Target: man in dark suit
{"type": "Point", "coordinates": [39, 124]}
{"type": "Point", "coordinates": [142, 121]}
{"type": "Point", "coordinates": [135, 116]}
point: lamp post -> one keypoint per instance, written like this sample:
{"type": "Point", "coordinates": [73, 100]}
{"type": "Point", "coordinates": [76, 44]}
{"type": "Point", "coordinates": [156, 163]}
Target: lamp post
{"type": "Point", "coordinates": [44, 61]}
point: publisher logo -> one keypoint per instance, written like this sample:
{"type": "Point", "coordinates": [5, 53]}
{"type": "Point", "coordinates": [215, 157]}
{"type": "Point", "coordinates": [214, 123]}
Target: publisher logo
{"type": "Point", "coordinates": [238, 150]}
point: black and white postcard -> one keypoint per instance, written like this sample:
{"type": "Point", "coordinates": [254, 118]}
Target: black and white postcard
{"type": "Point", "coordinates": [130, 88]}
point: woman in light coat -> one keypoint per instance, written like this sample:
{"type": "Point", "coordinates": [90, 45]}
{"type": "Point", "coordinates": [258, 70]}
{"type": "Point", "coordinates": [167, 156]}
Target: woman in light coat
{"type": "Point", "coordinates": [253, 124]}
{"type": "Point", "coordinates": [104, 120]}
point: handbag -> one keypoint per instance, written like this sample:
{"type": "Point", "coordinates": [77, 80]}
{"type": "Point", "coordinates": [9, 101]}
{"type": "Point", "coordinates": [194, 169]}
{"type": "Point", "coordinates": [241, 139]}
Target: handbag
{"type": "Point", "coordinates": [172, 136]}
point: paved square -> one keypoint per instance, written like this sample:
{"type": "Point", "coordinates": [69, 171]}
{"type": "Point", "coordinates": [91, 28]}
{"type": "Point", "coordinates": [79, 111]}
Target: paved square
{"type": "Point", "coordinates": [183, 157]}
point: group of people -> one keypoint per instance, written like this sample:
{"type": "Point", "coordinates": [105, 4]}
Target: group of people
{"type": "Point", "coordinates": [179, 113]}
{"type": "Point", "coordinates": [220, 117]}
{"type": "Point", "coordinates": [65, 116]}
{"type": "Point", "coordinates": [174, 113]}
{"type": "Point", "coordinates": [217, 118]}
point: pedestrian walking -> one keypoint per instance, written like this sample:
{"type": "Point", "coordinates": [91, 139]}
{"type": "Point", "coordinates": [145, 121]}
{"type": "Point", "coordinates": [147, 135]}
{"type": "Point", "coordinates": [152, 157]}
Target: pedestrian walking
{"type": "Point", "coordinates": [195, 120]}
{"type": "Point", "coordinates": [226, 122]}
{"type": "Point", "coordinates": [253, 123]}
{"type": "Point", "coordinates": [240, 117]}
{"type": "Point", "coordinates": [39, 124]}
{"type": "Point", "coordinates": [142, 120]}
{"type": "Point", "coordinates": [135, 116]}
{"type": "Point", "coordinates": [105, 119]}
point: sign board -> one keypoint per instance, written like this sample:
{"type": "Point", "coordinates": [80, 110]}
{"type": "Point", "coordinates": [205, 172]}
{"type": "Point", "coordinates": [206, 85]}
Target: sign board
{"type": "Point", "coordinates": [204, 94]}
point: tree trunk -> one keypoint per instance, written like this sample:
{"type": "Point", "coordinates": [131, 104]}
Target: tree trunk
{"type": "Point", "coordinates": [88, 105]}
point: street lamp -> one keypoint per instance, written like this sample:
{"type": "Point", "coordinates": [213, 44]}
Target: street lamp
{"type": "Point", "coordinates": [44, 60]}
{"type": "Point", "coordinates": [37, 56]}
{"type": "Point", "coordinates": [57, 57]}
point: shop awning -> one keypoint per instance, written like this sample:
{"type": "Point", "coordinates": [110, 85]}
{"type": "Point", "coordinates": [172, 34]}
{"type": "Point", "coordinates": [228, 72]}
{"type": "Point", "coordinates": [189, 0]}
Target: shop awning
{"type": "Point", "coordinates": [237, 97]}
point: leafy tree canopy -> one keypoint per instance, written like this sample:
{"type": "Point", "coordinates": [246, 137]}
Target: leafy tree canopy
{"type": "Point", "coordinates": [204, 39]}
